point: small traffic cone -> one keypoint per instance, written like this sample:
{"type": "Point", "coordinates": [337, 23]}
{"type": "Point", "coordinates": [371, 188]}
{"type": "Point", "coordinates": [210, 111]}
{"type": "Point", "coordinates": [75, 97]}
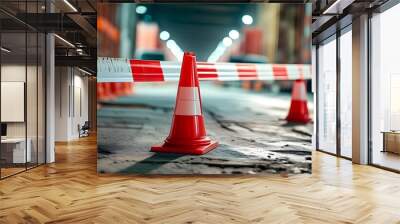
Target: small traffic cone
{"type": "Point", "coordinates": [258, 86]}
{"type": "Point", "coordinates": [108, 95]}
{"type": "Point", "coordinates": [298, 111]}
{"type": "Point", "coordinates": [188, 133]}
{"type": "Point", "coordinates": [102, 91]}
{"type": "Point", "coordinates": [116, 89]}
{"type": "Point", "coordinates": [127, 88]}
{"type": "Point", "coordinates": [131, 88]}
{"type": "Point", "coordinates": [246, 85]}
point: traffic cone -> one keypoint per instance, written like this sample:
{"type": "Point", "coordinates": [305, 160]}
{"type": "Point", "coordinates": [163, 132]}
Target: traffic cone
{"type": "Point", "coordinates": [116, 89]}
{"type": "Point", "coordinates": [102, 92]}
{"type": "Point", "coordinates": [298, 111]}
{"type": "Point", "coordinates": [108, 94]}
{"type": "Point", "coordinates": [188, 133]}
{"type": "Point", "coordinates": [131, 88]}
{"type": "Point", "coordinates": [127, 88]}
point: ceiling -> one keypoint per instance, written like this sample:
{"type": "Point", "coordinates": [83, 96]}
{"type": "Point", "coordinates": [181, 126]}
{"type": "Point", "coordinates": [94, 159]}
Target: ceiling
{"type": "Point", "coordinates": [199, 28]}
{"type": "Point", "coordinates": [75, 23]}
{"type": "Point", "coordinates": [326, 21]}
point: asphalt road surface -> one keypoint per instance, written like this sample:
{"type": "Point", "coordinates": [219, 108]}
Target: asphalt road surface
{"type": "Point", "coordinates": [253, 136]}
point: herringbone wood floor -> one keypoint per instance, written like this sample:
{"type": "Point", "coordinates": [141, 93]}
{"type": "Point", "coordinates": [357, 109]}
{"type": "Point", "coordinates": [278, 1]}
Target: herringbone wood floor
{"type": "Point", "coordinates": [70, 191]}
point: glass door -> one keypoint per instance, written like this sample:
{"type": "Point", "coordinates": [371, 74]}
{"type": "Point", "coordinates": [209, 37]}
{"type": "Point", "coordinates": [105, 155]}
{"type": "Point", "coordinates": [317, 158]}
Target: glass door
{"type": "Point", "coordinates": [385, 89]}
{"type": "Point", "coordinates": [327, 95]}
{"type": "Point", "coordinates": [14, 145]}
{"type": "Point", "coordinates": [22, 95]}
{"type": "Point", "coordinates": [346, 92]}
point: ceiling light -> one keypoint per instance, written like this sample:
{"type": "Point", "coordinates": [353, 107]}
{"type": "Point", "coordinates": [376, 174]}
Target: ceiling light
{"type": "Point", "coordinates": [175, 49]}
{"type": "Point", "coordinates": [84, 71]}
{"type": "Point", "coordinates": [141, 9]}
{"type": "Point", "coordinates": [70, 5]}
{"type": "Point", "coordinates": [337, 7]}
{"type": "Point", "coordinates": [164, 35]}
{"type": "Point", "coordinates": [170, 43]}
{"type": "Point", "coordinates": [247, 19]}
{"type": "Point", "coordinates": [227, 41]}
{"type": "Point", "coordinates": [217, 53]}
{"type": "Point", "coordinates": [5, 50]}
{"type": "Point", "coordinates": [234, 34]}
{"type": "Point", "coordinates": [65, 41]}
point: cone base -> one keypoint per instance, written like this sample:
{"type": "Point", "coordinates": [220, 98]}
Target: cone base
{"type": "Point", "coordinates": [298, 120]}
{"type": "Point", "coordinates": [298, 112]}
{"type": "Point", "coordinates": [185, 149]}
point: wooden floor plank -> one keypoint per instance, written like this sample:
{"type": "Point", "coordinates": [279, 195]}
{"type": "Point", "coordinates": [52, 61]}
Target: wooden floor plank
{"type": "Point", "coordinates": [71, 191]}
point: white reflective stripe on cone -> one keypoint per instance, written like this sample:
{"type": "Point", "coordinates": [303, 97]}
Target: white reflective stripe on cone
{"type": "Point", "coordinates": [188, 93]}
{"type": "Point", "coordinates": [301, 93]}
{"type": "Point", "coordinates": [114, 70]}
{"type": "Point", "coordinates": [226, 71]}
{"type": "Point", "coordinates": [188, 101]}
{"type": "Point", "coordinates": [171, 70]}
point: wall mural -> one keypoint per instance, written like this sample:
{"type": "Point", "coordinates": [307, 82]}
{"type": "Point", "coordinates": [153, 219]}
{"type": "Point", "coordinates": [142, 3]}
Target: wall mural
{"type": "Point", "coordinates": [204, 89]}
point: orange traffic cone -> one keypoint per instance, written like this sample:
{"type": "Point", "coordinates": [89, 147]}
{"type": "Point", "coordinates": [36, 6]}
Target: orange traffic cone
{"type": "Point", "coordinates": [298, 111]}
{"type": "Point", "coordinates": [188, 133]}
{"type": "Point", "coordinates": [102, 91]}
{"type": "Point", "coordinates": [116, 89]}
{"type": "Point", "coordinates": [131, 88]}
{"type": "Point", "coordinates": [127, 88]}
{"type": "Point", "coordinates": [108, 94]}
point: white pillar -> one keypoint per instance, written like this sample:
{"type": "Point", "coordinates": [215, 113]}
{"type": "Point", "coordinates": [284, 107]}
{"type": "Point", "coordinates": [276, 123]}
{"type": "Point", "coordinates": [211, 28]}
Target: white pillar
{"type": "Point", "coordinates": [360, 90]}
{"type": "Point", "coordinates": [314, 91]}
{"type": "Point", "coordinates": [50, 98]}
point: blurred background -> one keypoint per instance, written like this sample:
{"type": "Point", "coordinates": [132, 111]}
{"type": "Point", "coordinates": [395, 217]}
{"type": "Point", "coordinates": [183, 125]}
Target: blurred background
{"type": "Point", "coordinates": [255, 33]}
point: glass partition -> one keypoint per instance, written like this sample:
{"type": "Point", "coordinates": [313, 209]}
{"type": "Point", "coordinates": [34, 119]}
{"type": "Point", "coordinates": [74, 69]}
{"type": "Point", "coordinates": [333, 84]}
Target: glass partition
{"type": "Point", "coordinates": [22, 95]}
{"type": "Point", "coordinates": [327, 95]}
{"type": "Point", "coordinates": [346, 93]}
{"type": "Point", "coordinates": [15, 150]}
{"type": "Point", "coordinates": [385, 89]}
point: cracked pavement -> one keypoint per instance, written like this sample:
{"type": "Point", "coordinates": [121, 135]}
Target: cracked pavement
{"type": "Point", "coordinates": [253, 137]}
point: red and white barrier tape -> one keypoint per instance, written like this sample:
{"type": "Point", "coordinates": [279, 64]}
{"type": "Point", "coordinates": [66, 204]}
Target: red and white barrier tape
{"type": "Point", "coordinates": [126, 70]}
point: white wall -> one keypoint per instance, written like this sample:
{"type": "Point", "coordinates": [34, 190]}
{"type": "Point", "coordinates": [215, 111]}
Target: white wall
{"type": "Point", "coordinates": [71, 94]}
{"type": "Point", "coordinates": [80, 110]}
{"type": "Point", "coordinates": [62, 82]}
{"type": "Point", "coordinates": [13, 73]}
{"type": "Point", "coordinates": [33, 126]}
{"type": "Point", "coordinates": [10, 73]}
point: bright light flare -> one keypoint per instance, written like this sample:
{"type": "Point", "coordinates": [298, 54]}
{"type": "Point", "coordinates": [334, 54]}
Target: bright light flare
{"type": "Point", "coordinates": [70, 5]}
{"type": "Point", "coordinates": [164, 35]}
{"type": "Point", "coordinates": [141, 9]}
{"type": "Point", "coordinates": [65, 41]}
{"type": "Point", "coordinates": [227, 41]}
{"type": "Point", "coordinates": [247, 19]}
{"type": "Point", "coordinates": [234, 34]}
{"type": "Point", "coordinates": [175, 49]}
